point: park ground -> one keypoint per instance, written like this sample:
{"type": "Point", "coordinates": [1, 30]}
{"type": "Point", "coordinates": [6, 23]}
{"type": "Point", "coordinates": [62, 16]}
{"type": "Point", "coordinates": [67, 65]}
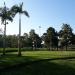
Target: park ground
{"type": "Point", "coordinates": [38, 63]}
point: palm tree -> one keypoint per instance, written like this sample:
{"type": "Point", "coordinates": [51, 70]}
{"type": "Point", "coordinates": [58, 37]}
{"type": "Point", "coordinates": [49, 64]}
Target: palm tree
{"type": "Point", "coordinates": [5, 14]}
{"type": "Point", "coordinates": [19, 9]}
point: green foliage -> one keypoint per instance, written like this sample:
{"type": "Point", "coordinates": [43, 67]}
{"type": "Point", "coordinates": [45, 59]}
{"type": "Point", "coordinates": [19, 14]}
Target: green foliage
{"type": "Point", "coordinates": [11, 41]}
{"type": "Point", "coordinates": [66, 34]}
{"type": "Point", "coordinates": [36, 40]}
{"type": "Point", "coordinates": [66, 31]}
{"type": "Point", "coordinates": [50, 38]}
{"type": "Point", "coordinates": [5, 14]}
{"type": "Point", "coordinates": [72, 39]}
{"type": "Point", "coordinates": [19, 9]}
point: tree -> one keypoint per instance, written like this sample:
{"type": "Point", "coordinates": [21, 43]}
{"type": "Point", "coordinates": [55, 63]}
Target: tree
{"type": "Point", "coordinates": [11, 41]}
{"type": "Point", "coordinates": [32, 37]}
{"type": "Point", "coordinates": [26, 41]}
{"type": "Point", "coordinates": [5, 15]}
{"type": "Point", "coordinates": [1, 41]}
{"type": "Point", "coordinates": [65, 33]}
{"type": "Point", "coordinates": [73, 39]}
{"type": "Point", "coordinates": [36, 40]}
{"type": "Point", "coordinates": [50, 38]}
{"type": "Point", "coordinates": [19, 9]}
{"type": "Point", "coordinates": [45, 39]}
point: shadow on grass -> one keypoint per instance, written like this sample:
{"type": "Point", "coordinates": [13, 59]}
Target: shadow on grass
{"type": "Point", "coordinates": [37, 67]}
{"type": "Point", "coordinates": [13, 60]}
{"type": "Point", "coordinates": [40, 68]}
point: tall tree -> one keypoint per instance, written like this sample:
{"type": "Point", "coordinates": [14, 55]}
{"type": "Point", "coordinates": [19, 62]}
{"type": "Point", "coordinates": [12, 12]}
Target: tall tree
{"type": "Point", "coordinates": [33, 38]}
{"type": "Point", "coordinates": [50, 38]}
{"type": "Point", "coordinates": [65, 33]}
{"type": "Point", "coordinates": [36, 40]}
{"type": "Point", "coordinates": [19, 9]}
{"type": "Point", "coordinates": [5, 15]}
{"type": "Point", "coordinates": [26, 41]}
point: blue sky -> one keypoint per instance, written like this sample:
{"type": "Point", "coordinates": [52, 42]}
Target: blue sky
{"type": "Point", "coordinates": [44, 13]}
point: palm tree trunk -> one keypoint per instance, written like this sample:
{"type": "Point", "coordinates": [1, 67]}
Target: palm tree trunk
{"type": "Point", "coordinates": [4, 40]}
{"type": "Point", "coordinates": [19, 39]}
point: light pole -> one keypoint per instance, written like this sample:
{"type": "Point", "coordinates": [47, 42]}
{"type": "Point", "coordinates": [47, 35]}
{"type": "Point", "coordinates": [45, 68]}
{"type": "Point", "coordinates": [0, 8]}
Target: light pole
{"type": "Point", "coordinates": [40, 31]}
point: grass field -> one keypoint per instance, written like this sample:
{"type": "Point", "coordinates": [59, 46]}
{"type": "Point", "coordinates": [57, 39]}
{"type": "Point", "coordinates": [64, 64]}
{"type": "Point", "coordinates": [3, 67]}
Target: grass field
{"type": "Point", "coordinates": [38, 63]}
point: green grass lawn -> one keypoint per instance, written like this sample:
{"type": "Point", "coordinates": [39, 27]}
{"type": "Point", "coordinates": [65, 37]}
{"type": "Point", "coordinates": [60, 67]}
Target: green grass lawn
{"type": "Point", "coordinates": [46, 66]}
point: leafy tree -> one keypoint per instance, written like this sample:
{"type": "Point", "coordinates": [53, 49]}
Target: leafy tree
{"type": "Point", "coordinates": [26, 41]}
{"type": "Point", "coordinates": [19, 9]}
{"type": "Point", "coordinates": [32, 37]}
{"type": "Point", "coordinates": [46, 40]}
{"type": "Point", "coordinates": [65, 33]}
{"type": "Point", "coordinates": [36, 40]}
{"type": "Point", "coordinates": [14, 40]}
{"type": "Point", "coordinates": [5, 15]}
{"type": "Point", "coordinates": [50, 38]}
{"type": "Point", "coordinates": [8, 41]}
{"type": "Point", "coordinates": [72, 39]}
{"type": "Point", "coordinates": [11, 41]}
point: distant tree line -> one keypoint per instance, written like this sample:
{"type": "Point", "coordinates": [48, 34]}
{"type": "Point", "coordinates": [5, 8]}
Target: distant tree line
{"type": "Point", "coordinates": [52, 40]}
{"type": "Point", "coordinates": [63, 39]}
{"type": "Point", "coordinates": [31, 40]}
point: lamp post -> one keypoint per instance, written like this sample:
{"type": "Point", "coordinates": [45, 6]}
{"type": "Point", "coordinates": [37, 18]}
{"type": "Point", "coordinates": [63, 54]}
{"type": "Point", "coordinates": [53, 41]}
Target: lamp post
{"type": "Point", "coordinates": [40, 31]}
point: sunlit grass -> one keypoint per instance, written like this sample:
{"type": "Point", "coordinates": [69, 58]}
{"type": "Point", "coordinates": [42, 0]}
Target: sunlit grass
{"type": "Point", "coordinates": [51, 66]}
{"type": "Point", "coordinates": [12, 58]}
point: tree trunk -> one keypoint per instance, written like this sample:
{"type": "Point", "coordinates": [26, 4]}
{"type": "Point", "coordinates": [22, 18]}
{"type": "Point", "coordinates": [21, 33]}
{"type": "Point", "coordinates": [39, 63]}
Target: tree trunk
{"type": "Point", "coordinates": [49, 45]}
{"type": "Point", "coordinates": [66, 46]}
{"type": "Point", "coordinates": [19, 38]}
{"type": "Point", "coordinates": [4, 39]}
{"type": "Point", "coordinates": [57, 47]}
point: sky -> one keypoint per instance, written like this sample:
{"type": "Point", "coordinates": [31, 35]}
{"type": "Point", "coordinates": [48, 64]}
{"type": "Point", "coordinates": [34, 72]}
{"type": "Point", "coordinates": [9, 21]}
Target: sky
{"type": "Point", "coordinates": [44, 13]}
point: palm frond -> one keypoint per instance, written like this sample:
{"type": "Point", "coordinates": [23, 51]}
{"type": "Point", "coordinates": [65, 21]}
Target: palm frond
{"type": "Point", "coordinates": [26, 13]}
{"type": "Point", "coordinates": [15, 8]}
{"type": "Point", "coordinates": [21, 5]}
{"type": "Point", "coordinates": [0, 14]}
{"type": "Point", "coordinates": [9, 18]}
{"type": "Point", "coordinates": [18, 9]}
{"type": "Point", "coordinates": [2, 20]}
{"type": "Point", "coordinates": [5, 14]}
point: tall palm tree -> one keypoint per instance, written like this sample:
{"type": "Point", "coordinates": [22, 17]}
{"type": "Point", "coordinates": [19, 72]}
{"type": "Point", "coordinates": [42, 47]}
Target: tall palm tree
{"type": "Point", "coordinates": [19, 9]}
{"type": "Point", "coordinates": [5, 14]}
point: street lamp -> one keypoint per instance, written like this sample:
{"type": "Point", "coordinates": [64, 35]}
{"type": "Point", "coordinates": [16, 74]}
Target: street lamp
{"type": "Point", "coordinates": [40, 31]}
